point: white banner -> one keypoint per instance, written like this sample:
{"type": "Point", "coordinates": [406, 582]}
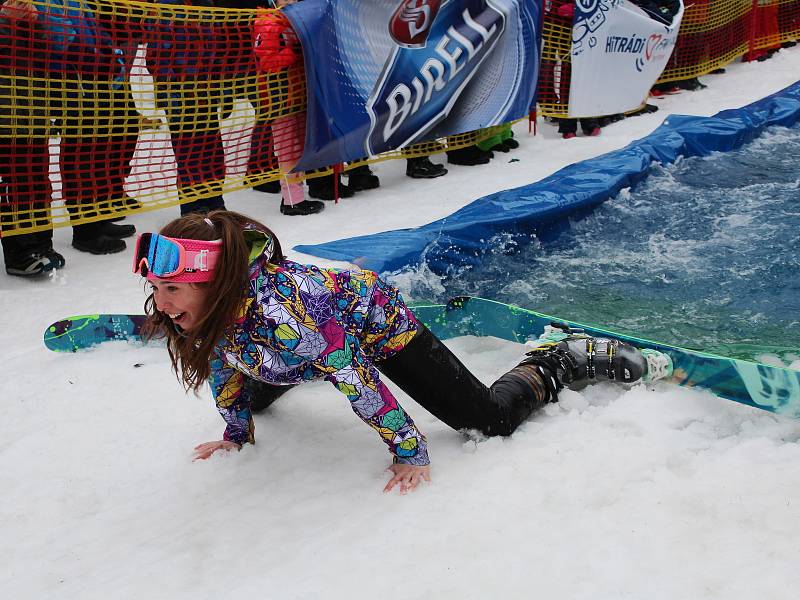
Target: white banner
{"type": "Point", "coordinates": [618, 53]}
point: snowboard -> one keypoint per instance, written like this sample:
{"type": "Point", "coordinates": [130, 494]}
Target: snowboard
{"type": "Point", "coordinates": [85, 331]}
{"type": "Point", "coordinates": [771, 388]}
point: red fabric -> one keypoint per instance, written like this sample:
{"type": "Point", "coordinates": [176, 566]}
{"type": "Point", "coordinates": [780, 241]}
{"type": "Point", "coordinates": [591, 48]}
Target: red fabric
{"type": "Point", "coordinates": [764, 27]}
{"type": "Point", "coordinates": [566, 10]}
{"type": "Point", "coordinates": [274, 43]}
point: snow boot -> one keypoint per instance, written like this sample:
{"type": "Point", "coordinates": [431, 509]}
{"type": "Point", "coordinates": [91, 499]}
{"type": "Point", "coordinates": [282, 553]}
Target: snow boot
{"type": "Point", "coordinates": [56, 258]}
{"type": "Point", "coordinates": [94, 237]}
{"type": "Point", "coordinates": [691, 85]}
{"type": "Point", "coordinates": [203, 205]}
{"type": "Point", "coordinates": [644, 110]}
{"type": "Point", "coordinates": [322, 188]}
{"type": "Point", "coordinates": [362, 178]}
{"type": "Point", "coordinates": [570, 358]}
{"type": "Point", "coordinates": [31, 264]}
{"type": "Point", "coordinates": [98, 245]}
{"type": "Point", "coordinates": [590, 127]}
{"type": "Point", "coordinates": [113, 230]}
{"type": "Point", "coordinates": [500, 147]}
{"type": "Point", "coordinates": [510, 144]}
{"type": "Point", "coordinates": [306, 207]}
{"type": "Point", "coordinates": [421, 167]}
{"type": "Point", "coordinates": [469, 156]}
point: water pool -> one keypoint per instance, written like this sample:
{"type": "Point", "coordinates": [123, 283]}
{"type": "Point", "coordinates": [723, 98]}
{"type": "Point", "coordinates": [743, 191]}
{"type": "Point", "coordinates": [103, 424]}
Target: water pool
{"type": "Point", "coordinates": [704, 253]}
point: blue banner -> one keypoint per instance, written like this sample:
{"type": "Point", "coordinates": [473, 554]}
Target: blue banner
{"type": "Point", "coordinates": [385, 74]}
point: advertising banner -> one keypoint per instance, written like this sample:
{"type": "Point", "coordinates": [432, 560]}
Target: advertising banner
{"type": "Point", "coordinates": [385, 74]}
{"type": "Point", "coordinates": [618, 52]}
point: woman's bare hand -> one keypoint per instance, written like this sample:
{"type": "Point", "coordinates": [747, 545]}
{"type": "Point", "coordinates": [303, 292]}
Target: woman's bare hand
{"type": "Point", "coordinates": [203, 451]}
{"type": "Point", "coordinates": [408, 476]}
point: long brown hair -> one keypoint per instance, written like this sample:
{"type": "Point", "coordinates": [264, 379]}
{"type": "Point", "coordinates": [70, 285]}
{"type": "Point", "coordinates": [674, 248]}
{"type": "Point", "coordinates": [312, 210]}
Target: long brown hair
{"type": "Point", "coordinates": [190, 351]}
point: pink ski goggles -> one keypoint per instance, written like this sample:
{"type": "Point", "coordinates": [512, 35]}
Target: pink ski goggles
{"type": "Point", "coordinates": [182, 261]}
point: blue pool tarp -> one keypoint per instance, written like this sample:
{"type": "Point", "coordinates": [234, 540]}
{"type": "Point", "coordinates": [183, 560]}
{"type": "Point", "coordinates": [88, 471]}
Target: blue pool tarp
{"type": "Point", "coordinates": [464, 236]}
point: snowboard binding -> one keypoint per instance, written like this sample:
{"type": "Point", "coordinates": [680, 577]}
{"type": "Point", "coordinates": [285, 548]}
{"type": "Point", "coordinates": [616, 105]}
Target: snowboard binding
{"type": "Point", "coordinates": [574, 359]}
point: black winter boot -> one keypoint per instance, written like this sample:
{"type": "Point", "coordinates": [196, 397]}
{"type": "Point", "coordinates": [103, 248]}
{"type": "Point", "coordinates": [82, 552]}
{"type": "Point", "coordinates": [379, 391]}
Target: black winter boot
{"type": "Point", "coordinates": [322, 188]}
{"type": "Point", "coordinates": [31, 264]}
{"type": "Point", "coordinates": [573, 359]}
{"type": "Point", "coordinates": [203, 205]}
{"type": "Point", "coordinates": [30, 254]}
{"type": "Point", "coordinates": [306, 207]}
{"type": "Point", "coordinates": [55, 258]}
{"type": "Point", "coordinates": [99, 245]}
{"type": "Point", "coordinates": [469, 156]}
{"type": "Point", "coordinates": [510, 144]}
{"type": "Point", "coordinates": [91, 237]}
{"type": "Point", "coordinates": [422, 168]}
{"type": "Point", "coordinates": [692, 84]}
{"type": "Point", "coordinates": [644, 110]}
{"type": "Point", "coordinates": [362, 178]}
{"type": "Point", "coordinates": [113, 230]}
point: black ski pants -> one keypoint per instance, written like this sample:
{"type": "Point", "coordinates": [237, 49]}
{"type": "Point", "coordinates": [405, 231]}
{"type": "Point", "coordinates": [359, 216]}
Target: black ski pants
{"type": "Point", "coordinates": [438, 381]}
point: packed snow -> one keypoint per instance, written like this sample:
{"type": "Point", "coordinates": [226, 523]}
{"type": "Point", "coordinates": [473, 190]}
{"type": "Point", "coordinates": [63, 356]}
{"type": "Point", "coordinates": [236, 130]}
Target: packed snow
{"type": "Point", "coordinates": [656, 492]}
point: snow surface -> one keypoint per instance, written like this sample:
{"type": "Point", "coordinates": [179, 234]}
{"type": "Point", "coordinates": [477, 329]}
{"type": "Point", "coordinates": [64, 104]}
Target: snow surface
{"type": "Point", "coordinates": [655, 492]}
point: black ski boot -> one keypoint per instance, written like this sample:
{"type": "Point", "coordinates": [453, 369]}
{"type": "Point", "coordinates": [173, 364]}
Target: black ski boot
{"type": "Point", "coordinates": [570, 358]}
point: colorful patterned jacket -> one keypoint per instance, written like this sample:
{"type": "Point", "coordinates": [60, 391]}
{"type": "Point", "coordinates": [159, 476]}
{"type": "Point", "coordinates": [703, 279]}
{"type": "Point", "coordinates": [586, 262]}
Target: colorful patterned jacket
{"type": "Point", "coordinates": [300, 322]}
